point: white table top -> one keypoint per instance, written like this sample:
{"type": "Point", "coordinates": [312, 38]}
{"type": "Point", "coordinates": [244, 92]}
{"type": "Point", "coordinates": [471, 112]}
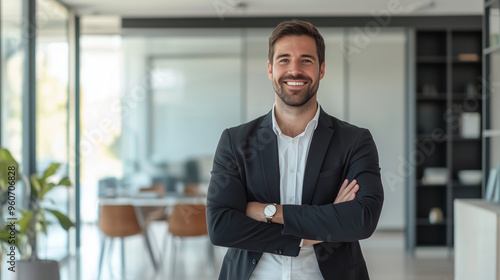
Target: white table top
{"type": "Point", "coordinates": [168, 200]}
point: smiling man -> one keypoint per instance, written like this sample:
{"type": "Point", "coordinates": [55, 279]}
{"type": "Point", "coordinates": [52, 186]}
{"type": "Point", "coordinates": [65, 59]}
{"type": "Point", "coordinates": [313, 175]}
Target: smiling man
{"type": "Point", "coordinates": [293, 191]}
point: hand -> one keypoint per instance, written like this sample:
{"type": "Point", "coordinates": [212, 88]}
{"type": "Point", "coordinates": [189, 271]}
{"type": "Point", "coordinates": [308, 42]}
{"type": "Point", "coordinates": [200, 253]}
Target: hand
{"type": "Point", "coordinates": [308, 242]}
{"type": "Point", "coordinates": [347, 191]}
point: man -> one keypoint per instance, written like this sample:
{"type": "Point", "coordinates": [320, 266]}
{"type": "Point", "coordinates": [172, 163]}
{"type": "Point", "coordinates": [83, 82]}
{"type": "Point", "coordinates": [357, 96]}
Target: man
{"type": "Point", "coordinates": [293, 191]}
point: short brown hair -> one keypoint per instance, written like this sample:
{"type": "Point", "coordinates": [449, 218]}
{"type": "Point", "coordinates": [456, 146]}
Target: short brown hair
{"type": "Point", "coordinates": [296, 28]}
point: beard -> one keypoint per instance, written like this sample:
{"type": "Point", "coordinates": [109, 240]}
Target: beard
{"type": "Point", "coordinates": [304, 95]}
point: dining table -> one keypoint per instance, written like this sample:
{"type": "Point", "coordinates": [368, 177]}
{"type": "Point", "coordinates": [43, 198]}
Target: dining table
{"type": "Point", "coordinates": [149, 199]}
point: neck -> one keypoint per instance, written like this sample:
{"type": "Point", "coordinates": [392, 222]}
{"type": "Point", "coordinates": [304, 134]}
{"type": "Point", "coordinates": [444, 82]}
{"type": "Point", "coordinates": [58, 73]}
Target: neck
{"type": "Point", "coordinates": [293, 120]}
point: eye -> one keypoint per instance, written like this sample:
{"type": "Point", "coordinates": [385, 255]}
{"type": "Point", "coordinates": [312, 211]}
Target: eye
{"type": "Point", "coordinates": [307, 61]}
{"type": "Point", "coordinates": [283, 60]}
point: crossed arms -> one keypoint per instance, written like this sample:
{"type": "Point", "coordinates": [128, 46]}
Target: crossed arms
{"type": "Point", "coordinates": [227, 201]}
{"type": "Point", "coordinates": [255, 210]}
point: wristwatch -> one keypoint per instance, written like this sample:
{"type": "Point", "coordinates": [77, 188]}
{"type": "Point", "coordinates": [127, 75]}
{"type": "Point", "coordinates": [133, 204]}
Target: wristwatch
{"type": "Point", "coordinates": [269, 212]}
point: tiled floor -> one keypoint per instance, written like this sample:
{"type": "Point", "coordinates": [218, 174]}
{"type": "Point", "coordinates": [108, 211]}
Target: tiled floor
{"type": "Point", "coordinates": [384, 254]}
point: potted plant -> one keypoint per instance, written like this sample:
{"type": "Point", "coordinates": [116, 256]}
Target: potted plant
{"type": "Point", "coordinates": [34, 222]}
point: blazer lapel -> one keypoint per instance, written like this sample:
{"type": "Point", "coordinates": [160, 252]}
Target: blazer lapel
{"type": "Point", "coordinates": [317, 151]}
{"type": "Point", "coordinates": [268, 148]}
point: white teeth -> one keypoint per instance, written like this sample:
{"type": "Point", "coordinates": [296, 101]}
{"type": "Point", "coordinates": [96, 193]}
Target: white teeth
{"type": "Point", "coordinates": [295, 83]}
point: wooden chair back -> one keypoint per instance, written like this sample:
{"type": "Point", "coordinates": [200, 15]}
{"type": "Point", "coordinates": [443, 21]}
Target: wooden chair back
{"type": "Point", "coordinates": [188, 220]}
{"type": "Point", "coordinates": [119, 221]}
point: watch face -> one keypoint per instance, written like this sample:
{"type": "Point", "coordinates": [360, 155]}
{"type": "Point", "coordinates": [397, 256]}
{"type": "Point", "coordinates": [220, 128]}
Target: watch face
{"type": "Point", "coordinates": [270, 210]}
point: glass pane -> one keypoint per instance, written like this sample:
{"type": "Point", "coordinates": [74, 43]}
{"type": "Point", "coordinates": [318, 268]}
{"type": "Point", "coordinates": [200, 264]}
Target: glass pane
{"type": "Point", "coordinates": [179, 93]}
{"type": "Point", "coordinates": [52, 66]}
{"type": "Point", "coordinates": [101, 56]}
{"type": "Point", "coordinates": [12, 76]}
{"type": "Point", "coordinates": [494, 24]}
{"type": "Point", "coordinates": [100, 140]}
{"type": "Point", "coordinates": [191, 106]}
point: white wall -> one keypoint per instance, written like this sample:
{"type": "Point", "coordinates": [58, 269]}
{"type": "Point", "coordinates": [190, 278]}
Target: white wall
{"type": "Point", "coordinates": [376, 101]}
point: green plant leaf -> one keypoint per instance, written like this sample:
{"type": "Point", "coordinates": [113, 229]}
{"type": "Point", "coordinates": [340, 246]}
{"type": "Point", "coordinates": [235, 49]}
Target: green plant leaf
{"type": "Point", "coordinates": [25, 221]}
{"type": "Point", "coordinates": [6, 160]}
{"type": "Point", "coordinates": [51, 170]}
{"type": "Point", "coordinates": [46, 188]}
{"type": "Point", "coordinates": [65, 222]}
{"type": "Point", "coordinates": [64, 182]}
{"type": "Point", "coordinates": [5, 237]}
{"type": "Point", "coordinates": [35, 186]}
{"type": "Point", "coordinates": [42, 222]}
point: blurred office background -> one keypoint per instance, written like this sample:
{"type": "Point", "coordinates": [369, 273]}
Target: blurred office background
{"type": "Point", "coordinates": [129, 95]}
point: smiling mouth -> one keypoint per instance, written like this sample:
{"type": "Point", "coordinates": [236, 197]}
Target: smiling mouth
{"type": "Point", "coordinates": [295, 83]}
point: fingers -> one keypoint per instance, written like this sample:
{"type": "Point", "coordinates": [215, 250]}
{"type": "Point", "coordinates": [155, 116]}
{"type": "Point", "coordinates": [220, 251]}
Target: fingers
{"type": "Point", "coordinates": [347, 191]}
{"type": "Point", "coordinates": [308, 242]}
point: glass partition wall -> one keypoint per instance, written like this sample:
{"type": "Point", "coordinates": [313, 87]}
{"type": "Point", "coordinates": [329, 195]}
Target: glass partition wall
{"type": "Point", "coordinates": [12, 69]}
{"type": "Point", "coordinates": [52, 72]}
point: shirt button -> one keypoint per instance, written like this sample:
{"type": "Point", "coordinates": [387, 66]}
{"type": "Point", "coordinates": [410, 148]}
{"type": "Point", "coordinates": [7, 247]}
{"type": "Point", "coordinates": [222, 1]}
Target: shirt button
{"type": "Point", "coordinates": [290, 199]}
{"type": "Point", "coordinates": [292, 170]}
{"type": "Point", "coordinates": [285, 259]}
{"type": "Point", "coordinates": [254, 261]}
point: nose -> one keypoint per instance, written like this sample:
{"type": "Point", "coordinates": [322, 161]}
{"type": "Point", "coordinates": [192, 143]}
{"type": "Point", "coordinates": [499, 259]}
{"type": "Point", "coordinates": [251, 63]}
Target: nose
{"type": "Point", "coordinates": [295, 68]}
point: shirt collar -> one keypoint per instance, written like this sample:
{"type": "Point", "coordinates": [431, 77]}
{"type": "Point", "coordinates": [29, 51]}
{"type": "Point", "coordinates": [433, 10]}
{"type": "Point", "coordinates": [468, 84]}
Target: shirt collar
{"type": "Point", "coordinates": [313, 123]}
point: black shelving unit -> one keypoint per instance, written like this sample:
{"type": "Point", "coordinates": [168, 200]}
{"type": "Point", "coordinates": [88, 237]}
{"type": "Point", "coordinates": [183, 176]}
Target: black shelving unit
{"type": "Point", "coordinates": [491, 89]}
{"type": "Point", "coordinates": [448, 80]}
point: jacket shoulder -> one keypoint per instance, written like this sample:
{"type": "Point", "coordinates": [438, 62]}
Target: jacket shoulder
{"type": "Point", "coordinates": [346, 127]}
{"type": "Point", "coordinates": [248, 129]}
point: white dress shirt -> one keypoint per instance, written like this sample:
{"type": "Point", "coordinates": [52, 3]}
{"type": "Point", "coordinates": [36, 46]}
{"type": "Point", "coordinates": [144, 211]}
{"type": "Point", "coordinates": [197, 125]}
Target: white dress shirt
{"type": "Point", "coordinates": [292, 153]}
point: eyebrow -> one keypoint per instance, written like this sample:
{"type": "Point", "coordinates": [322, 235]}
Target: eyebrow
{"type": "Point", "coordinates": [304, 55]}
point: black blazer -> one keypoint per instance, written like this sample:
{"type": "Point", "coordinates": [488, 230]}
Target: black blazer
{"type": "Point", "coordinates": [246, 168]}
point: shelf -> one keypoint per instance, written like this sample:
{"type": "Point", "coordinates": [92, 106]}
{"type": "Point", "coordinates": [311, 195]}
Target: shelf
{"type": "Point", "coordinates": [460, 139]}
{"type": "Point", "coordinates": [422, 185]}
{"type": "Point", "coordinates": [441, 138]}
{"type": "Point", "coordinates": [439, 97]}
{"type": "Point", "coordinates": [491, 133]}
{"type": "Point", "coordinates": [461, 96]}
{"type": "Point", "coordinates": [457, 184]}
{"type": "Point", "coordinates": [431, 59]}
{"type": "Point", "coordinates": [425, 222]}
{"type": "Point", "coordinates": [455, 60]}
{"type": "Point", "coordinates": [492, 49]}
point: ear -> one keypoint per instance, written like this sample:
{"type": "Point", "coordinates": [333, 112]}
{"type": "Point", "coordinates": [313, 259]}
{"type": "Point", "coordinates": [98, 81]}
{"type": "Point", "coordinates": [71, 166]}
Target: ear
{"type": "Point", "coordinates": [270, 70]}
{"type": "Point", "coordinates": [322, 70]}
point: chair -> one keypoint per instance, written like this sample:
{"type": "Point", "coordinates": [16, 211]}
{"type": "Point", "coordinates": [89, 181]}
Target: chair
{"type": "Point", "coordinates": [186, 220]}
{"type": "Point", "coordinates": [118, 221]}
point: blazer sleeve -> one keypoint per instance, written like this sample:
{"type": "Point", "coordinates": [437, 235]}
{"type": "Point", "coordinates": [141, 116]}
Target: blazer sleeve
{"type": "Point", "coordinates": [347, 221]}
{"type": "Point", "coordinates": [228, 225]}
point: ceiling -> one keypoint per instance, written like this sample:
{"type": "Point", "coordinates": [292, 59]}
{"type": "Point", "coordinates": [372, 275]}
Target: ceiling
{"type": "Point", "coordinates": [235, 8]}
